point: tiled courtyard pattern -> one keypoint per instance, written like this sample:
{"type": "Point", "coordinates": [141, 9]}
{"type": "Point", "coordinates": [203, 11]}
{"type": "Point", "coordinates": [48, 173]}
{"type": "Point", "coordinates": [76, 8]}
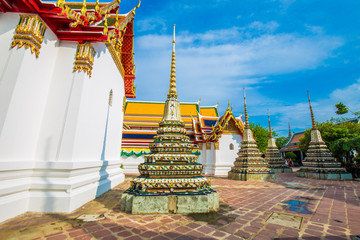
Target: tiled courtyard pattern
{"type": "Point", "coordinates": [330, 210]}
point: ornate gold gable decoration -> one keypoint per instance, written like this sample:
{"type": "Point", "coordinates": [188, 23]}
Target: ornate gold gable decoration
{"type": "Point", "coordinates": [29, 33]}
{"type": "Point", "coordinates": [84, 58]}
{"type": "Point", "coordinates": [230, 128]}
{"type": "Point", "coordinates": [85, 17]}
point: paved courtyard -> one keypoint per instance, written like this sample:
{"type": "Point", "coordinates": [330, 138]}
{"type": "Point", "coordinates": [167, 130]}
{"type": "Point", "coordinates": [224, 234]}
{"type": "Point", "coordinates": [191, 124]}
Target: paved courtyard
{"type": "Point", "coordinates": [289, 208]}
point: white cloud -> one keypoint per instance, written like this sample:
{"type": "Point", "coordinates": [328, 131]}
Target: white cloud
{"type": "Point", "coordinates": [219, 60]}
{"type": "Point", "coordinates": [264, 27]}
{"type": "Point", "coordinates": [315, 29]}
{"type": "Point", "coordinates": [299, 114]}
{"type": "Point", "coordinates": [150, 24]}
{"type": "Point", "coordinates": [217, 64]}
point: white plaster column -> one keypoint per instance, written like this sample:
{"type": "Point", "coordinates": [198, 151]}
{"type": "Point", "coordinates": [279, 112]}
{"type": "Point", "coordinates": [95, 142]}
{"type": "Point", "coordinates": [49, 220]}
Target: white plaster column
{"type": "Point", "coordinates": [225, 157]}
{"type": "Point", "coordinates": [209, 170]}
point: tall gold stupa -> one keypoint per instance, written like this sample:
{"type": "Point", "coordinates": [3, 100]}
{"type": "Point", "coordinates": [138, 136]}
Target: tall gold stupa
{"type": "Point", "coordinates": [249, 165]}
{"type": "Point", "coordinates": [273, 156]}
{"type": "Point", "coordinates": [319, 162]}
{"type": "Point", "coordinates": [170, 179]}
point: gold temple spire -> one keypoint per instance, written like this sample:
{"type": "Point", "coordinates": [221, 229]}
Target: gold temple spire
{"type": "Point", "coordinates": [311, 113]}
{"type": "Point", "coordinates": [246, 114]}
{"type": "Point", "coordinates": [83, 8]}
{"type": "Point", "coordinates": [172, 90]}
{"type": "Point", "coordinates": [97, 6]}
{"type": "Point", "coordinates": [289, 131]}
{"type": "Point", "coordinates": [270, 131]}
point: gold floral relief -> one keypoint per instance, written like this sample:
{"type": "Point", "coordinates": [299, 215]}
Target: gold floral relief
{"type": "Point", "coordinates": [29, 33]}
{"type": "Point", "coordinates": [84, 58]}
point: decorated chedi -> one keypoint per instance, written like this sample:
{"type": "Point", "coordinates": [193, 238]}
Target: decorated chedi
{"type": "Point", "coordinates": [170, 179]}
{"type": "Point", "coordinates": [249, 165]}
{"type": "Point", "coordinates": [319, 162]}
{"type": "Point", "coordinates": [273, 156]}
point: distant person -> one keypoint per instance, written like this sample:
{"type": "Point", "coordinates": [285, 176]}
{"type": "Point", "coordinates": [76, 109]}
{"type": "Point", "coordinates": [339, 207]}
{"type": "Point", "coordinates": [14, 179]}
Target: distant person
{"type": "Point", "coordinates": [290, 163]}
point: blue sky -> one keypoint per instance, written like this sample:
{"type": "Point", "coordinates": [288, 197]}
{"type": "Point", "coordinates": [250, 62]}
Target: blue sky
{"type": "Point", "coordinates": [276, 49]}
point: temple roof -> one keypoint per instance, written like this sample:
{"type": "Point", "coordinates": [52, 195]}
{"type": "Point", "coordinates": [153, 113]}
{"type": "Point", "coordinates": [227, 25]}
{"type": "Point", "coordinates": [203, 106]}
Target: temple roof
{"type": "Point", "coordinates": [227, 123]}
{"type": "Point", "coordinates": [89, 22]}
{"type": "Point", "coordinates": [293, 143]}
{"type": "Point", "coordinates": [141, 121]}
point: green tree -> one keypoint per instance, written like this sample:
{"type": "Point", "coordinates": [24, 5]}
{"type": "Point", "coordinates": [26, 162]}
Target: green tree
{"type": "Point", "coordinates": [341, 139]}
{"type": "Point", "coordinates": [281, 141]}
{"type": "Point", "coordinates": [261, 136]}
{"type": "Point", "coordinates": [290, 155]}
{"type": "Point", "coordinates": [341, 108]}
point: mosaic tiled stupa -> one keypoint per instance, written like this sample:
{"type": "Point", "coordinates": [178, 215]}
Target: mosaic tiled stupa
{"type": "Point", "coordinates": [273, 156]}
{"type": "Point", "coordinates": [249, 165]}
{"type": "Point", "coordinates": [319, 163]}
{"type": "Point", "coordinates": [170, 179]}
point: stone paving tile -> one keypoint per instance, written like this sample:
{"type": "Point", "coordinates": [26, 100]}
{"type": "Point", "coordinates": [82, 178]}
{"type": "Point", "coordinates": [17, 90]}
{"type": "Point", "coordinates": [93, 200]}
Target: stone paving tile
{"type": "Point", "coordinates": [333, 213]}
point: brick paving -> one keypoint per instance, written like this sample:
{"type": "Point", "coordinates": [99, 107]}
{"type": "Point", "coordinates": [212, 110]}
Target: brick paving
{"type": "Point", "coordinates": [329, 210]}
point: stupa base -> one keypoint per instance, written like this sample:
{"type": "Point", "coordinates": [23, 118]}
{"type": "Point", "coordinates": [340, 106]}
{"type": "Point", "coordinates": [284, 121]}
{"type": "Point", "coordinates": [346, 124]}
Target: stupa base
{"type": "Point", "coordinates": [282, 170]}
{"type": "Point", "coordinates": [252, 176]}
{"type": "Point", "coordinates": [170, 203]}
{"type": "Point", "coordinates": [325, 175]}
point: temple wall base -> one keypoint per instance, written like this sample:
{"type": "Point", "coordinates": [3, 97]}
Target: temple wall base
{"type": "Point", "coordinates": [282, 170]}
{"type": "Point", "coordinates": [252, 176]}
{"type": "Point", "coordinates": [175, 204]}
{"type": "Point", "coordinates": [131, 164]}
{"type": "Point", "coordinates": [324, 175]}
{"type": "Point", "coordinates": [54, 186]}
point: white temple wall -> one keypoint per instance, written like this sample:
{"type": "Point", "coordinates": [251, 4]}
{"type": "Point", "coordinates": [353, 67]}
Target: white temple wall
{"type": "Point", "coordinates": [52, 126]}
{"type": "Point", "coordinates": [8, 22]}
{"type": "Point", "coordinates": [96, 117]}
{"type": "Point", "coordinates": [202, 154]}
{"type": "Point", "coordinates": [209, 159]}
{"type": "Point", "coordinates": [26, 81]}
{"type": "Point", "coordinates": [131, 163]}
{"type": "Point", "coordinates": [225, 157]}
{"type": "Point", "coordinates": [57, 115]}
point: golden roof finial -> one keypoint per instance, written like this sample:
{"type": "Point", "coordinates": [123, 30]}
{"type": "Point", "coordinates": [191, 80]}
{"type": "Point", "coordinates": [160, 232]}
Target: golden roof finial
{"type": "Point", "coordinates": [228, 105]}
{"type": "Point", "coordinates": [105, 31]}
{"type": "Point", "coordinates": [246, 114]}
{"type": "Point", "coordinates": [60, 3]}
{"type": "Point", "coordinates": [270, 131]}
{"type": "Point", "coordinates": [137, 6]}
{"type": "Point", "coordinates": [117, 19]}
{"type": "Point", "coordinates": [311, 113]}
{"type": "Point", "coordinates": [97, 6]}
{"type": "Point", "coordinates": [172, 90]}
{"type": "Point", "coordinates": [83, 8]}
